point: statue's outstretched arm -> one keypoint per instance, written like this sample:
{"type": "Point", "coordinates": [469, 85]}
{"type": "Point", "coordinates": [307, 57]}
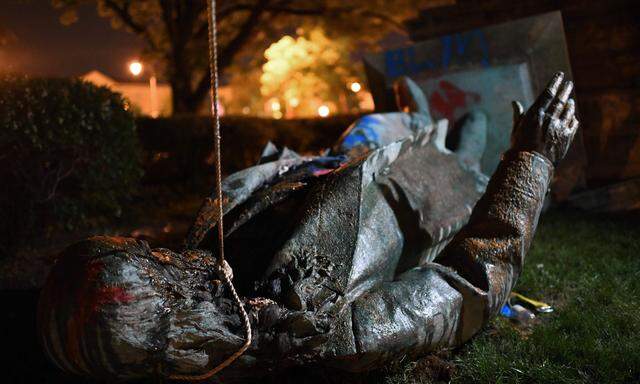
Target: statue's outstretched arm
{"type": "Point", "coordinates": [446, 302]}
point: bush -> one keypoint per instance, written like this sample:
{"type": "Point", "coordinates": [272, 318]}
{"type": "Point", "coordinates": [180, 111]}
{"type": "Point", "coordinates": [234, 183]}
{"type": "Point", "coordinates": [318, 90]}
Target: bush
{"type": "Point", "coordinates": [68, 153]}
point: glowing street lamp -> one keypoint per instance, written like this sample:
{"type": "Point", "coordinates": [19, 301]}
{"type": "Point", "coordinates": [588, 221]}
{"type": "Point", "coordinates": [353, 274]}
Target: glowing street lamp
{"type": "Point", "coordinates": [355, 87]}
{"type": "Point", "coordinates": [323, 111]}
{"type": "Point", "coordinates": [136, 67]}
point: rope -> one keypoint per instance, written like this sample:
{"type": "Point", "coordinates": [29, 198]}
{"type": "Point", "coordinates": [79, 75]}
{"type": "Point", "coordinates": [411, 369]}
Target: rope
{"type": "Point", "coordinates": [226, 274]}
{"type": "Point", "coordinates": [224, 269]}
{"type": "Point", "coordinates": [213, 70]}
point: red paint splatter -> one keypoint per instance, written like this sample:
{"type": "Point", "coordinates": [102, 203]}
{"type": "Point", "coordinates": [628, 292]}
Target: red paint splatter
{"type": "Point", "coordinates": [89, 298]}
{"type": "Point", "coordinates": [321, 172]}
{"type": "Point", "coordinates": [448, 99]}
{"type": "Point", "coordinates": [75, 294]}
{"type": "Point", "coordinates": [112, 295]}
{"type": "Point", "coordinates": [95, 295]}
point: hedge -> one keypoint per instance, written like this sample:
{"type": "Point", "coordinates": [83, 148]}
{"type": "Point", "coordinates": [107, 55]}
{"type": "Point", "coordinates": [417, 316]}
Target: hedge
{"type": "Point", "coordinates": [68, 153]}
{"type": "Point", "coordinates": [71, 155]}
{"type": "Point", "coordinates": [179, 149]}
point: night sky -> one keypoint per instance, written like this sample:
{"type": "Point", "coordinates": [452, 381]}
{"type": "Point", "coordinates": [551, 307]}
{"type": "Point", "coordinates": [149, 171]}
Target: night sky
{"type": "Point", "coordinates": [44, 47]}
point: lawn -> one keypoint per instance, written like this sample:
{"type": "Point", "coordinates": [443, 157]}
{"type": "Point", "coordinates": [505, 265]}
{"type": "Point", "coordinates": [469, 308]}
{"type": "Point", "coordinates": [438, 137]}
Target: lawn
{"type": "Point", "coordinates": [588, 268]}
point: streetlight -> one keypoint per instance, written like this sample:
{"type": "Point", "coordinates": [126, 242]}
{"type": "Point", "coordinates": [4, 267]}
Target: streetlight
{"type": "Point", "coordinates": [136, 67]}
{"type": "Point", "coordinates": [355, 87]}
{"type": "Point", "coordinates": [323, 111]}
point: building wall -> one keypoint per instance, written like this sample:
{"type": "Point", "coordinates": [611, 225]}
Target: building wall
{"type": "Point", "coordinates": [603, 38]}
{"type": "Point", "coordinates": [138, 93]}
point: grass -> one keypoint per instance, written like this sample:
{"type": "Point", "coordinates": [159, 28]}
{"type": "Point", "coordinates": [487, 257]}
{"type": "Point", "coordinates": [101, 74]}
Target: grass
{"type": "Point", "coordinates": [588, 268]}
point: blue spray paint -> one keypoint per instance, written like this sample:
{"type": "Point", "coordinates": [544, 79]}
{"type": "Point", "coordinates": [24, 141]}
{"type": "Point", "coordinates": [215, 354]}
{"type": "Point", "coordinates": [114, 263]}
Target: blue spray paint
{"type": "Point", "coordinates": [462, 41]}
{"type": "Point", "coordinates": [403, 61]}
{"type": "Point", "coordinates": [365, 132]}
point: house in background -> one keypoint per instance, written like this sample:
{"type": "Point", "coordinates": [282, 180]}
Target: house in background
{"type": "Point", "coordinates": [142, 98]}
{"type": "Point", "coordinates": [138, 93]}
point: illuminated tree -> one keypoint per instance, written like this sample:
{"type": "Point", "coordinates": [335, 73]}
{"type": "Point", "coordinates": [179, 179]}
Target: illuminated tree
{"type": "Point", "coordinates": [309, 71]}
{"type": "Point", "coordinates": [175, 31]}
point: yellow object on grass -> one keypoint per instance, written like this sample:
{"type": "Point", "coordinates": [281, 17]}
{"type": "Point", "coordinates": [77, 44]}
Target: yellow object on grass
{"type": "Point", "coordinates": [539, 305]}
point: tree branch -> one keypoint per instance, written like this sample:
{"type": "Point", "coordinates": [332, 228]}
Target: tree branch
{"type": "Point", "coordinates": [232, 8]}
{"type": "Point", "coordinates": [282, 8]}
{"type": "Point", "coordinates": [167, 18]}
{"type": "Point", "coordinates": [384, 17]}
{"type": "Point", "coordinates": [222, 14]}
{"type": "Point", "coordinates": [227, 54]}
{"type": "Point", "coordinates": [124, 15]}
{"type": "Point", "coordinates": [328, 11]}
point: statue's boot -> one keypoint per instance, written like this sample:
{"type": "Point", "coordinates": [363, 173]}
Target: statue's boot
{"type": "Point", "coordinates": [473, 140]}
{"type": "Point", "coordinates": [410, 98]}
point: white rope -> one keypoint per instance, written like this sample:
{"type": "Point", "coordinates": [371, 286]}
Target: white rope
{"type": "Point", "coordinates": [224, 269]}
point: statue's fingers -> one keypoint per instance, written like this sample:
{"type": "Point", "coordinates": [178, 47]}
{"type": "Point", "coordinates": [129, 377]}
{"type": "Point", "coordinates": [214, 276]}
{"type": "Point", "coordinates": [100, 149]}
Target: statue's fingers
{"type": "Point", "coordinates": [567, 114]}
{"type": "Point", "coordinates": [564, 93]}
{"type": "Point", "coordinates": [541, 117]}
{"type": "Point", "coordinates": [573, 128]}
{"type": "Point", "coordinates": [569, 133]}
{"type": "Point", "coordinates": [518, 111]}
{"type": "Point", "coordinates": [550, 91]}
{"type": "Point", "coordinates": [559, 102]}
{"type": "Point", "coordinates": [556, 108]}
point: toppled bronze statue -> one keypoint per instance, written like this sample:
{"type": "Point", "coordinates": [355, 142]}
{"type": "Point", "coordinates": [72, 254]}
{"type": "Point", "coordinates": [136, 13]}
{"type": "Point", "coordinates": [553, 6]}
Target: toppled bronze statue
{"type": "Point", "coordinates": [377, 250]}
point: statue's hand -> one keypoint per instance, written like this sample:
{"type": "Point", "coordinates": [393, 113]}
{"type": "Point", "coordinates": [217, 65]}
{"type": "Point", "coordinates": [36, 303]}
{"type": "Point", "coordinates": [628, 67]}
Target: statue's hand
{"type": "Point", "coordinates": [549, 125]}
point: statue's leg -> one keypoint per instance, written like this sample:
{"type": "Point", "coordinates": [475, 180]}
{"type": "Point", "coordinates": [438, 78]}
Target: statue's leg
{"type": "Point", "coordinates": [473, 140]}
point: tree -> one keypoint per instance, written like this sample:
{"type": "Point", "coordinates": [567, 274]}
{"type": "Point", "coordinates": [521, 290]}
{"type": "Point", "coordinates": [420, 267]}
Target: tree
{"type": "Point", "coordinates": [312, 68]}
{"type": "Point", "coordinates": [175, 31]}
